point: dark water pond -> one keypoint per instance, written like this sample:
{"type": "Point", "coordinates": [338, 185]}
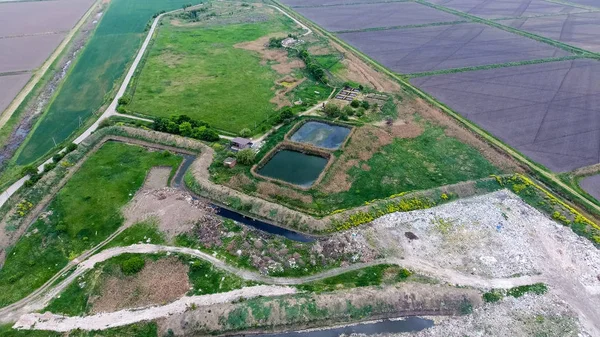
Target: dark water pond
{"type": "Point", "coordinates": [409, 324]}
{"type": "Point", "coordinates": [236, 216]}
{"type": "Point", "coordinates": [294, 167]}
{"type": "Point", "coordinates": [321, 134]}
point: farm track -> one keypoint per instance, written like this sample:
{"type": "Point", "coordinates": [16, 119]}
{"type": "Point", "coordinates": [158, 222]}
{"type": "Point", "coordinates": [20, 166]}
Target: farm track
{"type": "Point", "coordinates": [41, 71]}
{"type": "Point", "coordinates": [40, 299]}
{"type": "Point", "coordinates": [537, 169]}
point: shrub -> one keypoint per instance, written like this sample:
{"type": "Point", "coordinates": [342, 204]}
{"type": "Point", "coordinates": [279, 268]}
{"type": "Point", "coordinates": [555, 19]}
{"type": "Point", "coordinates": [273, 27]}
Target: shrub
{"type": "Point", "coordinates": [124, 100]}
{"type": "Point", "coordinates": [29, 170]}
{"type": "Point", "coordinates": [492, 296]}
{"type": "Point", "coordinates": [57, 157]}
{"type": "Point", "coordinates": [245, 132]}
{"type": "Point", "coordinates": [48, 167]}
{"type": "Point", "coordinates": [365, 105]}
{"type": "Point", "coordinates": [355, 103]}
{"type": "Point", "coordinates": [348, 110]}
{"type": "Point", "coordinates": [286, 113]}
{"type": "Point", "coordinates": [537, 288]}
{"type": "Point", "coordinates": [132, 265]}
{"type": "Point", "coordinates": [246, 156]}
{"type": "Point", "coordinates": [71, 147]}
{"type": "Point", "coordinates": [332, 110]}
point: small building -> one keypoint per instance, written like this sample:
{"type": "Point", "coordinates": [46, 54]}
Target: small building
{"type": "Point", "coordinates": [240, 143]}
{"type": "Point", "coordinates": [230, 162]}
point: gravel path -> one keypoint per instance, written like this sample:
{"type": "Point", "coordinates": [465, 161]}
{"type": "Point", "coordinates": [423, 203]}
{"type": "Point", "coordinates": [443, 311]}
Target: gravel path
{"type": "Point", "coordinates": [130, 316]}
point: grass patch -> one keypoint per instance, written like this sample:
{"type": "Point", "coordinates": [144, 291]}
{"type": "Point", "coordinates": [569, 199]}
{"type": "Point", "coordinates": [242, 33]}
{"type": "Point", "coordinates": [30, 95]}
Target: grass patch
{"type": "Point", "coordinates": [144, 232]}
{"type": "Point", "coordinates": [206, 279]}
{"type": "Point", "coordinates": [94, 75]}
{"type": "Point", "coordinates": [369, 276]}
{"type": "Point", "coordinates": [496, 295]}
{"type": "Point", "coordinates": [198, 72]}
{"type": "Point", "coordinates": [83, 213]}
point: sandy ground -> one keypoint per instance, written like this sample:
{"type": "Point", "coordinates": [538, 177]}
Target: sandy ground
{"type": "Point", "coordinates": [125, 317]}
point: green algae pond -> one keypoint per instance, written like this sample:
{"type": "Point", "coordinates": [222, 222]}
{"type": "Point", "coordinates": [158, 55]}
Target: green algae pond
{"type": "Point", "coordinates": [294, 167]}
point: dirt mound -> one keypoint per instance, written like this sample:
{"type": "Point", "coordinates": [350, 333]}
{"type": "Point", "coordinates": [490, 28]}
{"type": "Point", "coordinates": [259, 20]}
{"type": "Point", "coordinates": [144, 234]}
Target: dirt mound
{"type": "Point", "coordinates": [175, 210]}
{"type": "Point", "coordinates": [160, 282]}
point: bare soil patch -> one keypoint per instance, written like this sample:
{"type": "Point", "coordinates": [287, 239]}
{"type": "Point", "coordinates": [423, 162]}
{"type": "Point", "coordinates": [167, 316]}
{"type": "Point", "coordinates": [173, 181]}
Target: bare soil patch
{"type": "Point", "coordinates": [288, 83]}
{"type": "Point", "coordinates": [160, 282]}
{"type": "Point", "coordinates": [175, 211]}
{"type": "Point", "coordinates": [283, 65]}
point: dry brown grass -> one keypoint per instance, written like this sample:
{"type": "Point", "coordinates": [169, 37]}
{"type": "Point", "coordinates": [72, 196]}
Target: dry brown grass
{"type": "Point", "coordinates": [271, 189]}
{"type": "Point", "coordinates": [160, 282]}
{"type": "Point", "coordinates": [283, 65]}
{"type": "Point", "coordinates": [239, 181]}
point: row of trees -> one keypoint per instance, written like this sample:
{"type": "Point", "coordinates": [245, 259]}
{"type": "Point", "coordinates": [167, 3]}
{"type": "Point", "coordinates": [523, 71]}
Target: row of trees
{"type": "Point", "coordinates": [313, 67]}
{"type": "Point", "coordinates": [185, 126]}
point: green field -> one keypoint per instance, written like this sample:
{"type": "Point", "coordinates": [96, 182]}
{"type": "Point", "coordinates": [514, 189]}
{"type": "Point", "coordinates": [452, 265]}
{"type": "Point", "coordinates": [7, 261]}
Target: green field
{"type": "Point", "coordinates": [83, 213]}
{"type": "Point", "coordinates": [198, 72]}
{"type": "Point", "coordinates": [96, 72]}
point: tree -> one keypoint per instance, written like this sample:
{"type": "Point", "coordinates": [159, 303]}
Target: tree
{"type": "Point", "coordinates": [355, 103]}
{"type": "Point", "coordinates": [245, 132]}
{"type": "Point", "coordinates": [124, 100]}
{"type": "Point", "coordinates": [71, 147]}
{"type": "Point", "coordinates": [331, 110]}
{"type": "Point", "coordinates": [365, 105]}
{"type": "Point", "coordinates": [286, 113]}
{"type": "Point", "coordinates": [29, 170]}
{"type": "Point", "coordinates": [246, 156]}
{"type": "Point", "coordinates": [185, 129]}
{"type": "Point", "coordinates": [348, 110]}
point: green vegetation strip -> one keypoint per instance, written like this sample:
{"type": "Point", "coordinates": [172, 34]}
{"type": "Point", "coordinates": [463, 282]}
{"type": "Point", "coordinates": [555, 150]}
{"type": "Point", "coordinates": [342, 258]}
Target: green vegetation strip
{"type": "Point", "coordinates": [369, 276]}
{"type": "Point", "coordinates": [496, 295]}
{"type": "Point", "coordinates": [83, 213]}
{"type": "Point", "coordinates": [493, 66]}
{"type": "Point", "coordinates": [435, 24]}
{"type": "Point", "coordinates": [134, 330]}
{"type": "Point", "coordinates": [352, 3]}
{"type": "Point", "coordinates": [94, 74]}
{"type": "Point", "coordinates": [539, 170]}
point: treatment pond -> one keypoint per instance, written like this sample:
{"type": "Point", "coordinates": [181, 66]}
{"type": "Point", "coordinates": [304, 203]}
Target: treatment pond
{"type": "Point", "coordinates": [321, 134]}
{"type": "Point", "coordinates": [294, 167]}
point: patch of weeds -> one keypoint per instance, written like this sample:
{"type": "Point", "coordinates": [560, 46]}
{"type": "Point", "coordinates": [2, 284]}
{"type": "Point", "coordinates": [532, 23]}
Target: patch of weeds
{"type": "Point", "coordinates": [369, 276]}
{"type": "Point", "coordinates": [132, 265]}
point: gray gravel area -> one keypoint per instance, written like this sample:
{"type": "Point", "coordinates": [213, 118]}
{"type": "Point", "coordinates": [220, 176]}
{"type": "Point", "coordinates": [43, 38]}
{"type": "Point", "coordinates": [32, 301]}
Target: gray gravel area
{"type": "Point", "coordinates": [10, 86]}
{"type": "Point", "coordinates": [591, 185]}
{"type": "Point", "coordinates": [550, 111]}
{"type": "Point", "coordinates": [494, 9]}
{"type": "Point", "coordinates": [355, 17]}
{"type": "Point", "coordinates": [579, 30]}
{"type": "Point", "coordinates": [444, 47]}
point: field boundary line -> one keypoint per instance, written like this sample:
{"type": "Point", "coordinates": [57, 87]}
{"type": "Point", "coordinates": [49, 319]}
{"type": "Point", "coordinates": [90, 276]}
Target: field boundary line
{"type": "Point", "coordinates": [493, 66]}
{"type": "Point", "coordinates": [536, 168]}
{"type": "Point", "coordinates": [41, 71]}
{"type": "Point", "coordinates": [572, 4]}
{"type": "Point", "coordinates": [424, 25]}
{"type": "Point", "coordinates": [352, 4]}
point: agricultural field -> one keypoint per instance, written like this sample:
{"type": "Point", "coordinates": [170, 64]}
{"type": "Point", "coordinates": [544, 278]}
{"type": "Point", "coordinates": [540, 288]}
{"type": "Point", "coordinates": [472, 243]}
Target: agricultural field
{"type": "Point", "coordinates": [580, 30]}
{"type": "Point", "coordinates": [218, 73]}
{"type": "Point", "coordinates": [547, 111]}
{"type": "Point", "coordinates": [591, 185]}
{"type": "Point", "coordinates": [83, 213]}
{"type": "Point", "coordinates": [366, 16]}
{"type": "Point", "coordinates": [416, 50]}
{"type": "Point", "coordinates": [94, 75]}
{"type": "Point", "coordinates": [29, 33]}
{"type": "Point", "coordinates": [509, 8]}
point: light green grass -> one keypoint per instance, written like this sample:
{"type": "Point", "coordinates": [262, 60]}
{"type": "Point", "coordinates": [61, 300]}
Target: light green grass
{"type": "Point", "coordinates": [368, 276]}
{"type": "Point", "coordinates": [94, 75]}
{"type": "Point", "coordinates": [84, 212]}
{"type": "Point", "coordinates": [134, 330]}
{"type": "Point", "coordinates": [198, 72]}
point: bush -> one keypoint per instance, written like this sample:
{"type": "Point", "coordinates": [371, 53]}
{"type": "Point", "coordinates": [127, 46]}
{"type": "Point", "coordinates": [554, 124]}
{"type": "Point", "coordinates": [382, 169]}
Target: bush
{"type": "Point", "coordinates": [348, 110]}
{"type": "Point", "coordinates": [332, 110]}
{"type": "Point", "coordinates": [355, 103]}
{"type": "Point", "coordinates": [57, 157]}
{"type": "Point", "coordinates": [245, 132]}
{"type": "Point", "coordinates": [71, 147]}
{"type": "Point", "coordinates": [365, 105]}
{"type": "Point", "coordinates": [286, 113]}
{"type": "Point", "coordinates": [49, 167]}
{"type": "Point", "coordinates": [492, 296]}
{"type": "Point", "coordinates": [124, 100]}
{"type": "Point", "coordinates": [29, 170]}
{"type": "Point", "coordinates": [132, 265]}
{"type": "Point", "coordinates": [246, 156]}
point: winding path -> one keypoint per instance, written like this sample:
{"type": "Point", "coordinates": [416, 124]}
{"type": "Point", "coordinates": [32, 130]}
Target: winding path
{"type": "Point", "coordinates": [40, 298]}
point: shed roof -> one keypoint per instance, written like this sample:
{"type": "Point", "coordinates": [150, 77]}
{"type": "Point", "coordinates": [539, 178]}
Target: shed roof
{"type": "Point", "coordinates": [241, 141]}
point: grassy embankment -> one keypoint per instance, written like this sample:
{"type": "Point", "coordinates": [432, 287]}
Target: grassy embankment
{"type": "Point", "coordinates": [84, 212]}
{"type": "Point", "coordinates": [91, 80]}
{"type": "Point", "coordinates": [427, 161]}
{"type": "Point", "coordinates": [134, 330]}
